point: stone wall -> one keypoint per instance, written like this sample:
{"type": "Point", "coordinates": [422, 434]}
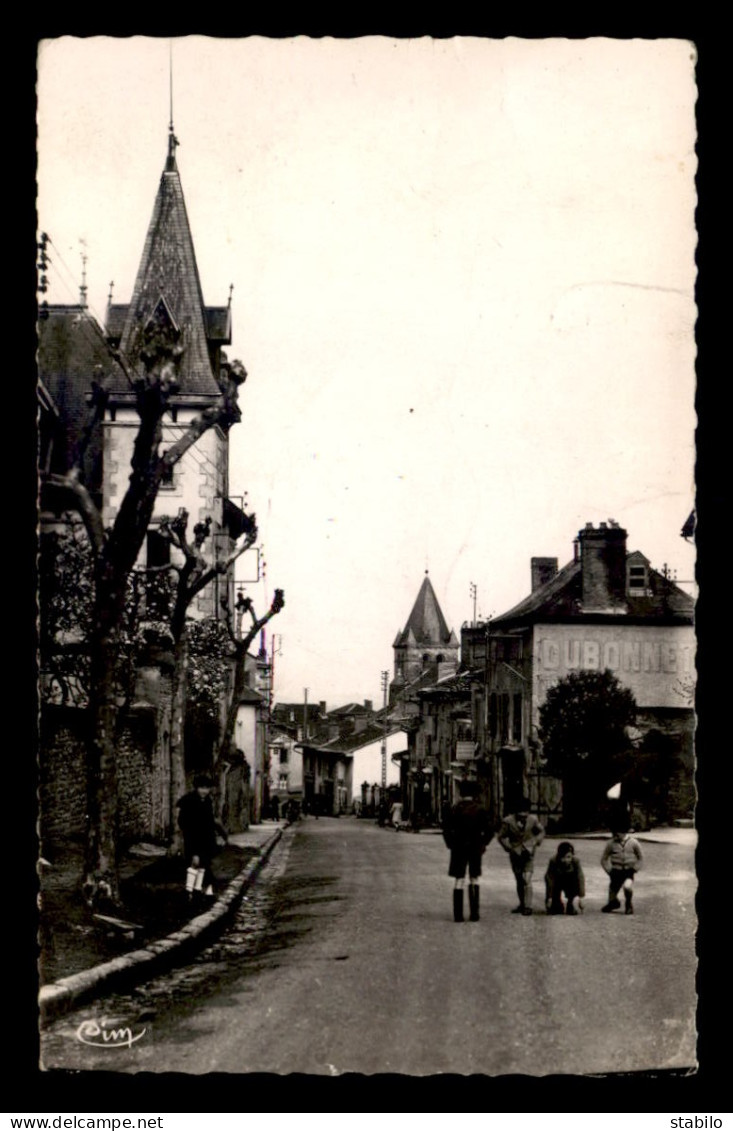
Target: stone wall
{"type": "Point", "coordinates": [135, 780]}
{"type": "Point", "coordinates": [142, 776]}
{"type": "Point", "coordinates": [61, 775]}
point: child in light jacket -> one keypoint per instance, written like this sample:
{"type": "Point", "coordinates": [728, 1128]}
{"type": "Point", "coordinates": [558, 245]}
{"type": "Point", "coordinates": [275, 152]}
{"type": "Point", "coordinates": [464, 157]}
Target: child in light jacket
{"type": "Point", "coordinates": [621, 859]}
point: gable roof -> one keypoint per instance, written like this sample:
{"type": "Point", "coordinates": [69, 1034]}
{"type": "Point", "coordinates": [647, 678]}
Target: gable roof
{"type": "Point", "coordinates": [456, 686]}
{"type": "Point", "coordinates": [168, 271]}
{"type": "Point", "coordinates": [426, 624]}
{"type": "Point", "coordinates": [347, 744]}
{"type": "Point", "coordinates": [249, 695]}
{"type": "Point", "coordinates": [561, 599]}
{"type": "Point", "coordinates": [71, 346]}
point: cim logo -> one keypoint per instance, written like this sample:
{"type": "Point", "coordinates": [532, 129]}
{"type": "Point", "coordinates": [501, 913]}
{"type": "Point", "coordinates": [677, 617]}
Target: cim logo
{"type": "Point", "coordinates": [593, 654]}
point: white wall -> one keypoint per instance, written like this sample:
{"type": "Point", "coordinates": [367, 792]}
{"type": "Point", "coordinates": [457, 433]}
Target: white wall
{"type": "Point", "coordinates": [367, 764]}
{"type": "Point", "coordinates": [200, 482]}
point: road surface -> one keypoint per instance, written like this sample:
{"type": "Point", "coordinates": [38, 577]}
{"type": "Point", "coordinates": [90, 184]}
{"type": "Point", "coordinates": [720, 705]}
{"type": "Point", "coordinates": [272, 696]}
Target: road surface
{"type": "Point", "coordinates": [345, 958]}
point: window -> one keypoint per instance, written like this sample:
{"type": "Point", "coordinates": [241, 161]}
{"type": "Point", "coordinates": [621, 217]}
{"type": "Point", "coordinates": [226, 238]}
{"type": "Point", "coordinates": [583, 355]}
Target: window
{"type": "Point", "coordinates": [157, 587]}
{"type": "Point", "coordinates": [464, 731]}
{"type": "Point", "coordinates": [638, 579]}
{"type": "Point", "coordinates": [517, 719]}
{"type": "Point", "coordinates": [283, 757]}
{"type": "Point", "coordinates": [167, 482]}
{"type": "Point", "coordinates": [283, 781]}
{"type": "Point", "coordinates": [503, 718]}
{"type": "Point", "coordinates": [492, 715]}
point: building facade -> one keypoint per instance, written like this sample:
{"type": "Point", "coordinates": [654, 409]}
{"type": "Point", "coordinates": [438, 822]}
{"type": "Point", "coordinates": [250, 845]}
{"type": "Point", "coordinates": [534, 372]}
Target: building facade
{"type": "Point", "coordinates": [607, 609]}
{"type": "Point", "coordinates": [75, 351]}
{"type": "Point", "coordinates": [426, 649]}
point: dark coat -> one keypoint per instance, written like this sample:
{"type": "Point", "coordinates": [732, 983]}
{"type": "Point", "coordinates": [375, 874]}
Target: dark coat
{"type": "Point", "coordinates": [199, 826]}
{"type": "Point", "coordinates": [561, 879]}
{"type": "Point", "coordinates": [467, 831]}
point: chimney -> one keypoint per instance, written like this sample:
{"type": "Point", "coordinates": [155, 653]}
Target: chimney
{"type": "Point", "coordinates": [322, 707]}
{"type": "Point", "coordinates": [543, 570]}
{"type": "Point", "coordinates": [603, 566]}
{"type": "Point", "coordinates": [368, 703]}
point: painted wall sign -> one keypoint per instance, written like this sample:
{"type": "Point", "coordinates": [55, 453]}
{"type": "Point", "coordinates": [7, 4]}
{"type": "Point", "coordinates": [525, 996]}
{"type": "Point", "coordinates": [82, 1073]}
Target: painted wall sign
{"type": "Point", "coordinates": [650, 661]}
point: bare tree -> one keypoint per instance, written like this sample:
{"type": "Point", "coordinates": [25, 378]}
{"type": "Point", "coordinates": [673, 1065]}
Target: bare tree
{"type": "Point", "coordinates": [115, 551]}
{"type": "Point", "coordinates": [241, 642]}
{"type": "Point", "coordinates": [193, 575]}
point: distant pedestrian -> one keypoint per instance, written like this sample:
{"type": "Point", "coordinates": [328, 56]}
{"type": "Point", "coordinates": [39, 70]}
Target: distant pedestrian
{"type": "Point", "coordinates": [200, 829]}
{"type": "Point", "coordinates": [275, 809]}
{"type": "Point", "coordinates": [621, 859]}
{"type": "Point", "coordinates": [564, 876]}
{"type": "Point", "coordinates": [520, 835]}
{"type": "Point", "coordinates": [466, 831]}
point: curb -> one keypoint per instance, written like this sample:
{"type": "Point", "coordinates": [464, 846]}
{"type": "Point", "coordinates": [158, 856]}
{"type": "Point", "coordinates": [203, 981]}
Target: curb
{"type": "Point", "coordinates": [59, 997]}
{"type": "Point", "coordinates": [646, 837]}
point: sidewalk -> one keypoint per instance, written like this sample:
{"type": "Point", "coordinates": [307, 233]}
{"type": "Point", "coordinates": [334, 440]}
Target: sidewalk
{"type": "Point", "coordinates": [80, 953]}
{"type": "Point", "coordinates": [663, 834]}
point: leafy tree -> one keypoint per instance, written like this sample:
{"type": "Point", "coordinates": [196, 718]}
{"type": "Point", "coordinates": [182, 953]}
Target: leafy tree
{"type": "Point", "coordinates": [209, 671]}
{"type": "Point", "coordinates": [583, 724]}
{"type": "Point", "coordinates": [66, 596]}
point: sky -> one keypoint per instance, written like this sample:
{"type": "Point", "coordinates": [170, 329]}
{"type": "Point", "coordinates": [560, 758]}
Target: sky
{"type": "Point", "coordinates": [463, 277]}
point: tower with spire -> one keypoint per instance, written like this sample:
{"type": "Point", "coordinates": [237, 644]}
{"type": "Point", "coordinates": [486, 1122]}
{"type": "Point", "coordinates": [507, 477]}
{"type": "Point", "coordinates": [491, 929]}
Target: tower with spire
{"type": "Point", "coordinates": [425, 649]}
{"type": "Point", "coordinates": [167, 297]}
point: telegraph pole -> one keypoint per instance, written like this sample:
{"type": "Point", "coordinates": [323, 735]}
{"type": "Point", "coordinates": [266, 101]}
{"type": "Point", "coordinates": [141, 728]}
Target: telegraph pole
{"type": "Point", "coordinates": [385, 681]}
{"type": "Point", "coordinates": [473, 591]}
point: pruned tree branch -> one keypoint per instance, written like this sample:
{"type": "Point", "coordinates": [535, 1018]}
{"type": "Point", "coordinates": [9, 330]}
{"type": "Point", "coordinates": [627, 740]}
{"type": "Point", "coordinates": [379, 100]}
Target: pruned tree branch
{"type": "Point", "coordinates": [83, 504]}
{"type": "Point", "coordinates": [95, 413]}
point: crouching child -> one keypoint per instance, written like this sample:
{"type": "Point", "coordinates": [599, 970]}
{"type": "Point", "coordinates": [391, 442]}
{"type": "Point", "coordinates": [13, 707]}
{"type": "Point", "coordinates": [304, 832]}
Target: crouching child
{"type": "Point", "coordinates": [564, 876]}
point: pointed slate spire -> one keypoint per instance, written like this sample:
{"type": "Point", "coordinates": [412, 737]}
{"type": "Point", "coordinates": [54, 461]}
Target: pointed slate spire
{"type": "Point", "coordinates": [168, 273]}
{"type": "Point", "coordinates": [426, 623]}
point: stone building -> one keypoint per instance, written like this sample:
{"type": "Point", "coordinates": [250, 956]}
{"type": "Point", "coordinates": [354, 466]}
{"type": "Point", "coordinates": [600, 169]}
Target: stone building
{"type": "Point", "coordinates": [426, 649]}
{"type": "Point", "coordinates": [606, 609]}
{"type": "Point", "coordinates": [74, 350]}
{"type": "Point", "coordinates": [426, 698]}
{"type": "Point", "coordinates": [168, 291]}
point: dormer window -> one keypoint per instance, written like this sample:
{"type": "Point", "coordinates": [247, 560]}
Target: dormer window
{"type": "Point", "coordinates": [638, 581]}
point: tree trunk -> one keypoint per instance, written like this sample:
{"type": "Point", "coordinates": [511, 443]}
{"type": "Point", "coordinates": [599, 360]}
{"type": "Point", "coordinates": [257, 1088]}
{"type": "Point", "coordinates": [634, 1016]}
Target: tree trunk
{"type": "Point", "coordinates": [177, 745]}
{"type": "Point", "coordinates": [101, 883]}
{"type": "Point", "coordinates": [227, 734]}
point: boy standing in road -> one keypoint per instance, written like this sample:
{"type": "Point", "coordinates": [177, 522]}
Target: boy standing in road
{"type": "Point", "coordinates": [520, 835]}
{"type": "Point", "coordinates": [621, 859]}
{"type": "Point", "coordinates": [466, 831]}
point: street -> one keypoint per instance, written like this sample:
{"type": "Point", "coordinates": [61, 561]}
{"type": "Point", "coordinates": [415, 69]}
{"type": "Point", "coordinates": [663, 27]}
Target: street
{"type": "Point", "coordinates": [344, 958]}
